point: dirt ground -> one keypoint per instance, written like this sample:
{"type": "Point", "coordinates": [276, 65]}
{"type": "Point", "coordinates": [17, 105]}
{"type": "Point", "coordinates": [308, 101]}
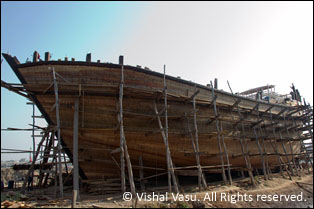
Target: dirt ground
{"type": "Point", "coordinates": [297, 193]}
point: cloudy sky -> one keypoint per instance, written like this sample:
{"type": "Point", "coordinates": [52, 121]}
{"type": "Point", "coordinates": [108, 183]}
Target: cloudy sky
{"type": "Point", "coordinates": [248, 43]}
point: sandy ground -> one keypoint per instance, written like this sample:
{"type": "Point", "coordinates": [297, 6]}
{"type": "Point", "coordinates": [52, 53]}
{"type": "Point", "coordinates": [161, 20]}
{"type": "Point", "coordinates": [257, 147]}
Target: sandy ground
{"type": "Point", "coordinates": [294, 194]}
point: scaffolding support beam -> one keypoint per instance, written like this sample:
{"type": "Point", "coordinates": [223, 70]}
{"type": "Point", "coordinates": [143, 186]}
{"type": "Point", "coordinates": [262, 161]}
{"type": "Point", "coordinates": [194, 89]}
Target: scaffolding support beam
{"type": "Point", "coordinates": [76, 188]}
{"type": "Point", "coordinates": [123, 146]}
{"type": "Point", "coordinates": [58, 131]}
{"type": "Point", "coordinates": [219, 141]}
{"type": "Point", "coordinates": [201, 178]}
{"type": "Point", "coordinates": [245, 153]}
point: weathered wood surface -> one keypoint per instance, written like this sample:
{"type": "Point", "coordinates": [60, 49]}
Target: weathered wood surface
{"type": "Point", "coordinates": [99, 127]}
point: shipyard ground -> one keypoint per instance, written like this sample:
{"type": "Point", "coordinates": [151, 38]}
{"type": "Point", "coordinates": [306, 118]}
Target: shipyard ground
{"type": "Point", "coordinates": [276, 186]}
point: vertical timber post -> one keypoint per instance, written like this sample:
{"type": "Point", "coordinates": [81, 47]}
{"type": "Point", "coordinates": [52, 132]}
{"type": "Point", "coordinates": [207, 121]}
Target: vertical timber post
{"type": "Point", "coordinates": [34, 142]}
{"type": "Point", "coordinates": [31, 169]}
{"type": "Point", "coordinates": [75, 154]}
{"type": "Point", "coordinates": [168, 154]}
{"type": "Point", "coordinates": [226, 154]}
{"type": "Point", "coordinates": [59, 131]}
{"type": "Point", "coordinates": [262, 155]}
{"type": "Point", "coordinates": [166, 127]}
{"type": "Point", "coordinates": [201, 177]}
{"type": "Point", "coordinates": [218, 137]}
{"type": "Point", "coordinates": [244, 153]}
{"type": "Point", "coordinates": [123, 140]}
{"type": "Point", "coordinates": [121, 129]}
{"type": "Point", "coordinates": [292, 154]}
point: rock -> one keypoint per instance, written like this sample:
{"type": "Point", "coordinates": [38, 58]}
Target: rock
{"type": "Point", "coordinates": [11, 194]}
{"type": "Point", "coordinates": [43, 197]}
{"type": "Point", "coordinates": [33, 198]}
{"type": "Point", "coordinates": [23, 197]}
{"type": "Point", "coordinates": [198, 204]}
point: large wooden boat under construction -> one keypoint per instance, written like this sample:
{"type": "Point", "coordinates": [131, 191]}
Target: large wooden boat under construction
{"type": "Point", "coordinates": [171, 125]}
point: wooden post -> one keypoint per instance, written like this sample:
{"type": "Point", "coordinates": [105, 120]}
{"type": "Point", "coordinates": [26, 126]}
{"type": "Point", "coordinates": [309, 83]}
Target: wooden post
{"type": "Point", "coordinates": [293, 160]}
{"type": "Point", "coordinates": [33, 162]}
{"type": "Point", "coordinates": [43, 179]}
{"type": "Point", "coordinates": [284, 148]}
{"type": "Point", "coordinates": [166, 127]}
{"type": "Point", "coordinates": [218, 137]}
{"type": "Point", "coordinates": [245, 154]}
{"type": "Point", "coordinates": [169, 161]}
{"type": "Point", "coordinates": [74, 196]}
{"type": "Point", "coordinates": [34, 142]}
{"type": "Point", "coordinates": [120, 60]}
{"type": "Point", "coordinates": [58, 130]}
{"type": "Point", "coordinates": [226, 154]}
{"type": "Point", "coordinates": [123, 145]}
{"type": "Point", "coordinates": [196, 153]}
{"type": "Point", "coordinates": [310, 128]}
{"type": "Point", "coordinates": [256, 170]}
{"type": "Point", "coordinates": [89, 57]}
{"type": "Point", "coordinates": [242, 173]}
{"type": "Point", "coordinates": [264, 147]}
{"type": "Point", "coordinates": [130, 171]}
{"type": "Point", "coordinates": [122, 162]}
{"type": "Point", "coordinates": [35, 56]}
{"type": "Point", "coordinates": [276, 147]}
{"type": "Point", "coordinates": [216, 83]}
{"type": "Point", "coordinates": [76, 188]}
{"type": "Point", "coordinates": [266, 158]}
{"type": "Point", "coordinates": [47, 56]}
{"type": "Point", "coordinates": [55, 161]}
{"type": "Point", "coordinates": [262, 155]}
{"type": "Point", "coordinates": [201, 177]}
{"type": "Point", "coordinates": [249, 165]}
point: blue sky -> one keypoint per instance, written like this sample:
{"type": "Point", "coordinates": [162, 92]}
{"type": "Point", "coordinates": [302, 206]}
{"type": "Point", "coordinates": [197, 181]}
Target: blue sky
{"type": "Point", "coordinates": [250, 44]}
{"type": "Point", "coordinates": [65, 29]}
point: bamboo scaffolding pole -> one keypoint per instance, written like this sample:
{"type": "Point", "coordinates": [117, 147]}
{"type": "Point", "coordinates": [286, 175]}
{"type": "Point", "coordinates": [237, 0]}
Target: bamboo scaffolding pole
{"type": "Point", "coordinates": [33, 163]}
{"type": "Point", "coordinates": [58, 131]}
{"type": "Point", "coordinates": [263, 149]}
{"type": "Point", "coordinates": [168, 154]}
{"type": "Point", "coordinates": [245, 153]}
{"type": "Point", "coordinates": [76, 188]}
{"type": "Point", "coordinates": [201, 177]}
{"type": "Point", "coordinates": [166, 126]}
{"type": "Point", "coordinates": [290, 145]}
{"type": "Point", "coordinates": [219, 137]}
{"type": "Point", "coordinates": [123, 145]}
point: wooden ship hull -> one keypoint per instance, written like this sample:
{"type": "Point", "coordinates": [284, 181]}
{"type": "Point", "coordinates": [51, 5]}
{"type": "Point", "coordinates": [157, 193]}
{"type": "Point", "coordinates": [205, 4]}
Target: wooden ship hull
{"type": "Point", "coordinates": [96, 85]}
